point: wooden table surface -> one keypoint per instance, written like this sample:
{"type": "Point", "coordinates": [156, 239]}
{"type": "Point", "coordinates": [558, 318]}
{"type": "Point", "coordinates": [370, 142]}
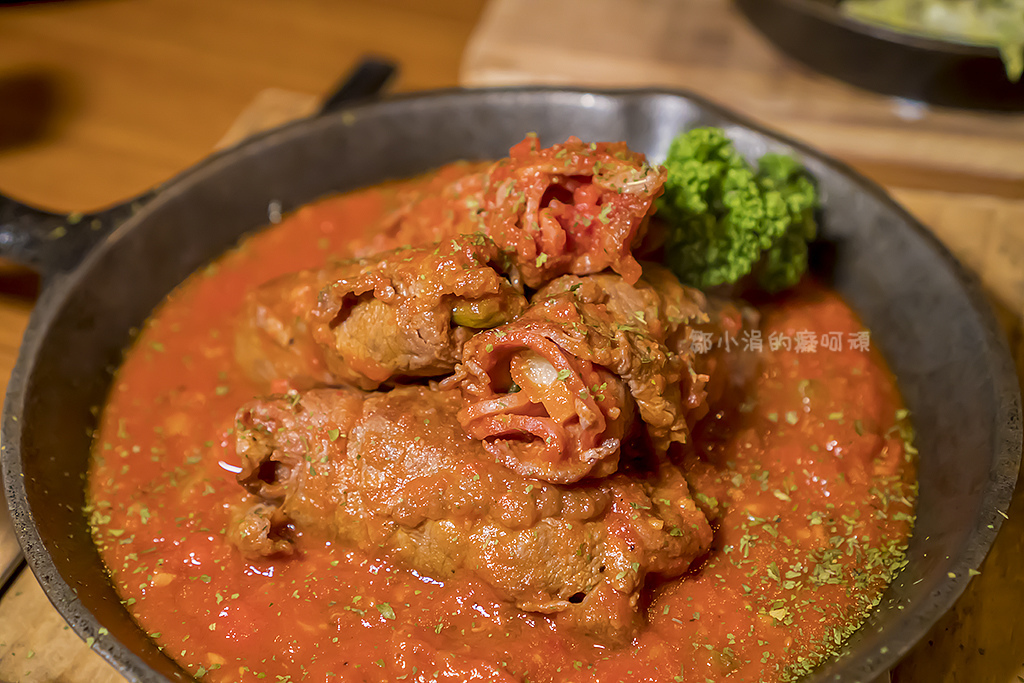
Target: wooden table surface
{"type": "Point", "coordinates": [101, 99]}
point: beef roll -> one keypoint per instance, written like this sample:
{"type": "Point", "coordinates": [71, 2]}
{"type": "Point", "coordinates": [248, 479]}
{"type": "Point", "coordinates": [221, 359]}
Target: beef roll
{"type": "Point", "coordinates": [572, 208]}
{"type": "Point", "coordinates": [554, 393]}
{"type": "Point", "coordinates": [401, 314]}
{"type": "Point", "coordinates": [394, 472]}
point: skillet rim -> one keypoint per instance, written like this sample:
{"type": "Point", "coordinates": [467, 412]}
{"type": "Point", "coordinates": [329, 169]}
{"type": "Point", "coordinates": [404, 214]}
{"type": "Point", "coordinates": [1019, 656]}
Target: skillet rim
{"type": "Point", "coordinates": [1007, 418]}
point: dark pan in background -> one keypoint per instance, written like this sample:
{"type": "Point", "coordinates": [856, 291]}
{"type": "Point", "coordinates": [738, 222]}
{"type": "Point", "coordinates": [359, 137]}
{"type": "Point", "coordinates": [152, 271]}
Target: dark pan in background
{"type": "Point", "coordinates": [927, 315]}
{"type": "Point", "coordinates": [938, 72]}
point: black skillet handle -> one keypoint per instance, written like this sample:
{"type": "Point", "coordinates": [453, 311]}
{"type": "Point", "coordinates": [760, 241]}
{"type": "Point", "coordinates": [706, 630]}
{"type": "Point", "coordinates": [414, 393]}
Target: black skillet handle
{"type": "Point", "coordinates": [52, 243]}
{"type": "Point", "coordinates": [367, 79]}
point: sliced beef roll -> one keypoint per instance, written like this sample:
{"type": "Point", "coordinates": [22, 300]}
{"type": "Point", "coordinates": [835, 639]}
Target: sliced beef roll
{"type": "Point", "coordinates": [393, 472]}
{"type": "Point", "coordinates": [401, 314]}
{"type": "Point", "coordinates": [553, 393]}
{"type": "Point", "coordinates": [572, 208]}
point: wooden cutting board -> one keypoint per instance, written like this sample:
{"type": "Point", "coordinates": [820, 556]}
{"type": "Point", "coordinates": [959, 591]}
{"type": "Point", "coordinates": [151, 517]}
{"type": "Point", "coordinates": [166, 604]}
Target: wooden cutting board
{"type": "Point", "coordinates": [961, 173]}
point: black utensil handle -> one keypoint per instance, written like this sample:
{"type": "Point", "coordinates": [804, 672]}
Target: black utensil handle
{"type": "Point", "coordinates": [52, 243]}
{"type": "Point", "coordinates": [367, 79]}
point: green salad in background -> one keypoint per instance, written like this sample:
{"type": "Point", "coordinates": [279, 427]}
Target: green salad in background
{"type": "Point", "coordinates": [999, 23]}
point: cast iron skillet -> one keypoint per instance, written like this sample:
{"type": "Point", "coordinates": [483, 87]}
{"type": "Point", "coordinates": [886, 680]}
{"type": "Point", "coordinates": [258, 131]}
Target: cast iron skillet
{"type": "Point", "coordinates": [928, 317]}
{"type": "Point", "coordinates": [940, 72]}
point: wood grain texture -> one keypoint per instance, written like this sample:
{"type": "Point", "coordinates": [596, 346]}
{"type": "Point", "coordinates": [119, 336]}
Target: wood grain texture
{"type": "Point", "coordinates": [129, 92]}
{"type": "Point", "coordinates": [37, 646]}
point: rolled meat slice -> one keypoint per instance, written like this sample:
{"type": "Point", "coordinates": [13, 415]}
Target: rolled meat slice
{"type": "Point", "coordinates": [401, 314]}
{"type": "Point", "coordinates": [273, 333]}
{"type": "Point", "coordinates": [574, 208]}
{"type": "Point", "coordinates": [553, 393]}
{"type": "Point", "coordinates": [393, 472]}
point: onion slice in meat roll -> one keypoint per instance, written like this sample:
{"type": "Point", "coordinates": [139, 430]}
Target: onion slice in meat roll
{"type": "Point", "coordinates": [553, 393]}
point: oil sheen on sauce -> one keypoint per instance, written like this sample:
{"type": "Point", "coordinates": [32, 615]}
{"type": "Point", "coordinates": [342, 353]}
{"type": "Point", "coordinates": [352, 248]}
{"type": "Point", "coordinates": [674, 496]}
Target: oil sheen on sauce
{"type": "Point", "coordinates": [809, 483]}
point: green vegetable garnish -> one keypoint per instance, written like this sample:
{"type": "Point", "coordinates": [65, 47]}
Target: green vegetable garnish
{"type": "Point", "coordinates": [480, 315]}
{"type": "Point", "coordinates": [727, 219]}
{"type": "Point", "coordinates": [997, 23]}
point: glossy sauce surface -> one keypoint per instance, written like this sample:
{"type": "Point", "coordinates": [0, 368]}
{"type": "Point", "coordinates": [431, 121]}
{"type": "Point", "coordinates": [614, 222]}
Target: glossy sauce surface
{"type": "Point", "coordinates": [808, 480]}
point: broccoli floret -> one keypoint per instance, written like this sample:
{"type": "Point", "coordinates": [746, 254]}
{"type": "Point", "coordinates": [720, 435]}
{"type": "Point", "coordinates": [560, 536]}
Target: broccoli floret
{"type": "Point", "coordinates": [727, 220]}
{"type": "Point", "coordinates": [785, 261]}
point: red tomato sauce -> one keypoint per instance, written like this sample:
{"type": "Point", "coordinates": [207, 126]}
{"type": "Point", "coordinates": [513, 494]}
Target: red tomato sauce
{"type": "Point", "coordinates": [809, 483]}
